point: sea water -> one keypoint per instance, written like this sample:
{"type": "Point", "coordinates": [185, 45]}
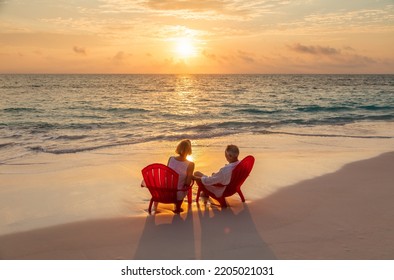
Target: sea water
{"type": "Point", "coordinates": [61, 114]}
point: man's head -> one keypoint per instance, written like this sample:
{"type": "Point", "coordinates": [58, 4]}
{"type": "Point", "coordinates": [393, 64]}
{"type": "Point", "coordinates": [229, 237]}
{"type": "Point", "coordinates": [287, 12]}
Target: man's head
{"type": "Point", "coordinates": [231, 153]}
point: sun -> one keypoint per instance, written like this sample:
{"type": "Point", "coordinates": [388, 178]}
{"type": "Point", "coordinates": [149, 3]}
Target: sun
{"type": "Point", "coordinates": [190, 158]}
{"type": "Point", "coordinates": [185, 48]}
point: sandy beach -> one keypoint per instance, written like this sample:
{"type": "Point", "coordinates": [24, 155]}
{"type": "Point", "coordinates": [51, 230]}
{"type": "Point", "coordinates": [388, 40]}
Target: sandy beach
{"type": "Point", "coordinates": [307, 198]}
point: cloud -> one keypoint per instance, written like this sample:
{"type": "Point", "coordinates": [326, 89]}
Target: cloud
{"type": "Point", "coordinates": [348, 48]}
{"type": "Point", "coordinates": [190, 5]}
{"type": "Point", "coordinates": [360, 19]}
{"type": "Point", "coordinates": [120, 57]}
{"type": "Point", "coordinates": [315, 50]}
{"type": "Point", "coordinates": [203, 9]}
{"type": "Point", "coordinates": [79, 50]}
{"type": "Point", "coordinates": [246, 57]}
{"type": "Point", "coordinates": [332, 58]}
{"type": "Point", "coordinates": [356, 60]}
{"type": "Point", "coordinates": [232, 58]}
{"type": "Point", "coordinates": [209, 55]}
{"type": "Point", "coordinates": [219, 58]}
{"type": "Point", "coordinates": [234, 7]}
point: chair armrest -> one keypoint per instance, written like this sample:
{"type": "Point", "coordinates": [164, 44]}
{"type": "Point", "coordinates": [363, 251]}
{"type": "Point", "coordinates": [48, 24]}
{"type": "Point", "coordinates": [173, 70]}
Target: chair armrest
{"type": "Point", "coordinates": [187, 187]}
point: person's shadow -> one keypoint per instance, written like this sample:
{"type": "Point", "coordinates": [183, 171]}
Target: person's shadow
{"type": "Point", "coordinates": [229, 235]}
{"type": "Point", "coordinates": [167, 237]}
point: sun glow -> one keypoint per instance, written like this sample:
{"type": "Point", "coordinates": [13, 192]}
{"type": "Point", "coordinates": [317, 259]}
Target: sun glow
{"type": "Point", "coordinates": [185, 48]}
{"type": "Point", "coordinates": [190, 158]}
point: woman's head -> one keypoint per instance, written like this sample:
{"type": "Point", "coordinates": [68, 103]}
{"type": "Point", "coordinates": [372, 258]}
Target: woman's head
{"type": "Point", "coordinates": [184, 147]}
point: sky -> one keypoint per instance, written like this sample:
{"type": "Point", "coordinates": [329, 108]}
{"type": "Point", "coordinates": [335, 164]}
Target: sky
{"type": "Point", "coordinates": [197, 37]}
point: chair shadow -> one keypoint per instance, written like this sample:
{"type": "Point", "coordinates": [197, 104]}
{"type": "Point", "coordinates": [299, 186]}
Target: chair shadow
{"type": "Point", "coordinates": [167, 237]}
{"type": "Point", "coordinates": [230, 233]}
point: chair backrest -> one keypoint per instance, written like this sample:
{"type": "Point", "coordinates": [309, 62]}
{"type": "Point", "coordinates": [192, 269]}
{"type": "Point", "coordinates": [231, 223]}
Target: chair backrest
{"type": "Point", "coordinates": [162, 182]}
{"type": "Point", "coordinates": [239, 175]}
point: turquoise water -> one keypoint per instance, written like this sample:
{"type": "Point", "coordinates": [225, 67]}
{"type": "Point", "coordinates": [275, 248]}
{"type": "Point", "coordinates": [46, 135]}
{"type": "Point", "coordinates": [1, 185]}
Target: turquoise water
{"type": "Point", "coordinates": [76, 113]}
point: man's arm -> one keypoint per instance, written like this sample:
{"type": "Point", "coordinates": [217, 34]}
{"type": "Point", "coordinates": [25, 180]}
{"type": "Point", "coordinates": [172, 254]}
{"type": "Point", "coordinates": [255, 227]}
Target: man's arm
{"type": "Point", "coordinates": [215, 178]}
{"type": "Point", "coordinates": [197, 176]}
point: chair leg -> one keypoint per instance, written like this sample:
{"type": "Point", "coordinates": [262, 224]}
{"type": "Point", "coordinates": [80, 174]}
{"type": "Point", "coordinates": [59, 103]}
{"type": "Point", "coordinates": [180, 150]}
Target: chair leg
{"type": "Point", "coordinates": [198, 195]}
{"type": "Point", "coordinates": [150, 206]}
{"type": "Point", "coordinates": [241, 195]}
{"type": "Point", "coordinates": [199, 190]}
{"type": "Point", "coordinates": [189, 196]}
{"type": "Point", "coordinates": [178, 205]}
{"type": "Point", "coordinates": [223, 202]}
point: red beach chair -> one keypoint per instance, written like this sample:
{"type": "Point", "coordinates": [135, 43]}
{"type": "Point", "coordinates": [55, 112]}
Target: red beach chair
{"type": "Point", "coordinates": [238, 177]}
{"type": "Point", "coordinates": [162, 182]}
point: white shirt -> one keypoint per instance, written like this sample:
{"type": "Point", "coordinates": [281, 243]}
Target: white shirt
{"type": "Point", "coordinates": [223, 176]}
{"type": "Point", "coordinates": [181, 168]}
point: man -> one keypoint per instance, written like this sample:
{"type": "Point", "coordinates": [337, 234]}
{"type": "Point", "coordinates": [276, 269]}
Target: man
{"type": "Point", "coordinates": [223, 176]}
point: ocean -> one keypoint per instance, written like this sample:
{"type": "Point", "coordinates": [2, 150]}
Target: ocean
{"type": "Point", "coordinates": [62, 114]}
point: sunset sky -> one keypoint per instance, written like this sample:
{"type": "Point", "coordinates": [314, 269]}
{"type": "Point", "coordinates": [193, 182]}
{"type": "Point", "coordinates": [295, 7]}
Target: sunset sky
{"type": "Point", "coordinates": [206, 36]}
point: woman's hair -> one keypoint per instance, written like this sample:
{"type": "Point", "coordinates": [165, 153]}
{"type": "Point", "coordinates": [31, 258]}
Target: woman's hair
{"type": "Point", "coordinates": [232, 151]}
{"type": "Point", "coordinates": [184, 147]}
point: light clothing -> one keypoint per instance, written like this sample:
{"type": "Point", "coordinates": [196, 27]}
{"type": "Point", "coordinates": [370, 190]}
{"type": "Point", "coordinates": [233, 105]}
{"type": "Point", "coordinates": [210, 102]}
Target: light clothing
{"type": "Point", "coordinates": [181, 168]}
{"type": "Point", "coordinates": [223, 176]}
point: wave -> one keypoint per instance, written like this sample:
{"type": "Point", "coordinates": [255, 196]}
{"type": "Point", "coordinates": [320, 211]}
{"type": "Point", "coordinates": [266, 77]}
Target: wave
{"type": "Point", "coordinates": [91, 117]}
{"type": "Point", "coordinates": [255, 111]}
{"type": "Point", "coordinates": [229, 127]}
{"type": "Point", "coordinates": [72, 150]}
{"type": "Point", "coordinates": [110, 109]}
{"type": "Point", "coordinates": [317, 108]}
{"type": "Point", "coordinates": [68, 150]}
{"type": "Point", "coordinates": [191, 135]}
{"type": "Point", "coordinates": [355, 118]}
{"type": "Point", "coordinates": [127, 110]}
{"type": "Point", "coordinates": [70, 137]}
{"type": "Point", "coordinates": [21, 109]}
{"type": "Point", "coordinates": [232, 125]}
{"type": "Point", "coordinates": [5, 145]}
{"type": "Point", "coordinates": [39, 127]}
{"type": "Point", "coordinates": [376, 108]}
{"type": "Point", "coordinates": [325, 135]}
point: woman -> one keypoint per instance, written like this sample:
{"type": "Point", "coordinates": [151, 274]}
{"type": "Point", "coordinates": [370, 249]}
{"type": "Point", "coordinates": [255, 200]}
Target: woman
{"type": "Point", "coordinates": [183, 167]}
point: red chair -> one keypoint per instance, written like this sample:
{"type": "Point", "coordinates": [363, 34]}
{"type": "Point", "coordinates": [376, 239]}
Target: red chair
{"type": "Point", "coordinates": [238, 177]}
{"type": "Point", "coordinates": [162, 182]}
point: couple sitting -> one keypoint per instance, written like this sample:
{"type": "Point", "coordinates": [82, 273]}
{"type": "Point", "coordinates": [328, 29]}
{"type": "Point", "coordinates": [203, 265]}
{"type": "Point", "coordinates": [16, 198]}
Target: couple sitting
{"type": "Point", "coordinates": [185, 170]}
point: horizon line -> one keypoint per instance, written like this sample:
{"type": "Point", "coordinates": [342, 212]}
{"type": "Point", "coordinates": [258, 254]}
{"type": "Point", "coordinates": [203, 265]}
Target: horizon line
{"type": "Point", "coordinates": [185, 74]}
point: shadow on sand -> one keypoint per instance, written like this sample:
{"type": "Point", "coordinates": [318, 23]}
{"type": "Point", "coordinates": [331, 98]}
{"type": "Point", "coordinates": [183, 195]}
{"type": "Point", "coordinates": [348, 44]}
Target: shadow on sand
{"type": "Point", "coordinates": [167, 237]}
{"type": "Point", "coordinates": [230, 233]}
{"type": "Point", "coordinates": [208, 233]}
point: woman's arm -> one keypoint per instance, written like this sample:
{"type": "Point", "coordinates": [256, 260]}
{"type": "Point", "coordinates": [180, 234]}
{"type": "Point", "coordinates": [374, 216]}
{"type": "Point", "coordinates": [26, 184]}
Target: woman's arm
{"type": "Point", "coordinates": [189, 174]}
